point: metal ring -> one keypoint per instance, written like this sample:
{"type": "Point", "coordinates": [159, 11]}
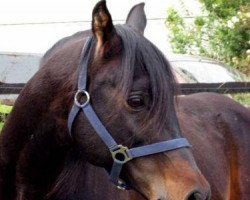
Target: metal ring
{"type": "Point", "coordinates": [84, 93]}
{"type": "Point", "coordinates": [121, 185]}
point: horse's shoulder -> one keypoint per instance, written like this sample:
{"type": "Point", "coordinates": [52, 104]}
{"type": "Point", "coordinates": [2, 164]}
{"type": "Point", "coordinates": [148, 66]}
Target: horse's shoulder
{"type": "Point", "coordinates": [212, 101]}
{"type": "Point", "coordinates": [223, 111]}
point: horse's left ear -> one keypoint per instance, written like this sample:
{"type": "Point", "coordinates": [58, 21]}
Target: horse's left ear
{"type": "Point", "coordinates": [102, 26]}
{"type": "Point", "coordinates": [137, 18]}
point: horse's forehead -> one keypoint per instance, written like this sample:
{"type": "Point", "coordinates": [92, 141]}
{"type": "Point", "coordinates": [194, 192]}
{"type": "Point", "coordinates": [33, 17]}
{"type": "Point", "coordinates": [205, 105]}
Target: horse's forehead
{"type": "Point", "coordinates": [115, 69]}
{"type": "Point", "coordinates": [141, 83]}
{"type": "Point", "coordinates": [101, 73]}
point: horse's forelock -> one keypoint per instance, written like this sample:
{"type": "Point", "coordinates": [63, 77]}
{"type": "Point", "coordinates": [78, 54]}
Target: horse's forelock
{"type": "Point", "coordinates": [137, 49]}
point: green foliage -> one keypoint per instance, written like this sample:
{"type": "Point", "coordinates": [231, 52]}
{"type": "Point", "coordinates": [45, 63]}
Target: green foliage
{"type": "Point", "coordinates": [224, 9]}
{"type": "Point", "coordinates": [4, 111]}
{"type": "Point", "coordinates": [224, 34]}
{"type": "Point", "coordinates": [243, 99]}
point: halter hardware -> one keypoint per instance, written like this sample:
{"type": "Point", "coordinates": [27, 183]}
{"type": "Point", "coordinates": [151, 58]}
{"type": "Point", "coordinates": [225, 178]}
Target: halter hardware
{"type": "Point", "coordinates": [121, 185]}
{"type": "Point", "coordinates": [120, 154]}
{"type": "Point", "coordinates": [78, 98]}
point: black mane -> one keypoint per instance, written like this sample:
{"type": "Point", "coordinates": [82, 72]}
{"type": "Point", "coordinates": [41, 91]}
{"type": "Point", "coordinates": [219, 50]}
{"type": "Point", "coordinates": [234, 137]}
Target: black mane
{"type": "Point", "coordinates": [137, 48]}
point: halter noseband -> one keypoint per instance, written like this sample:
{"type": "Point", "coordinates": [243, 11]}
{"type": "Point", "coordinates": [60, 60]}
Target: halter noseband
{"type": "Point", "coordinates": [120, 154]}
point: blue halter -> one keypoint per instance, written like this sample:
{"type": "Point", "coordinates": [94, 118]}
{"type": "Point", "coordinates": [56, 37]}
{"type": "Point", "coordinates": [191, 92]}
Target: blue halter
{"type": "Point", "coordinates": [120, 154]}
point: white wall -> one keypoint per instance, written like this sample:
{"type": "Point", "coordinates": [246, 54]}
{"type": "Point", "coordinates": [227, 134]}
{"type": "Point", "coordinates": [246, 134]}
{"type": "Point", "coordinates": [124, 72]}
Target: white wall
{"type": "Point", "coordinates": [17, 35]}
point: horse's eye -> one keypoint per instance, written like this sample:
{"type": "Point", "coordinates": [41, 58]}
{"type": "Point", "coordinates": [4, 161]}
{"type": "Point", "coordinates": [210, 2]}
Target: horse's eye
{"type": "Point", "coordinates": [136, 102]}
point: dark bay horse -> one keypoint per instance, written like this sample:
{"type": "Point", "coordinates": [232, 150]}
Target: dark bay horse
{"type": "Point", "coordinates": [132, 91]}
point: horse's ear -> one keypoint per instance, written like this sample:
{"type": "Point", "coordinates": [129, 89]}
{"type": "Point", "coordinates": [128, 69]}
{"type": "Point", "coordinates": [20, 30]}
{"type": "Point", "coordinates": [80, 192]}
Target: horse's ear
{"type": "Point", "coordinates": [102, 25]}
{"type": "Point", "coordinates": [137, 18]}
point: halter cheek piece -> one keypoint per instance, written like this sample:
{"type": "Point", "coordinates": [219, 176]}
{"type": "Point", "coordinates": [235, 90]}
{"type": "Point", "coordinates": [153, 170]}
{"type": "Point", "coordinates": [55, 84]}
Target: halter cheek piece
{"type": "Point", "coordinates": [120, 154]}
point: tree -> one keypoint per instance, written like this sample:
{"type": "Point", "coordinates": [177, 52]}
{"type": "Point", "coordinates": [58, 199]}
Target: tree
{"type": "Point", "coordinates": [223, 34]}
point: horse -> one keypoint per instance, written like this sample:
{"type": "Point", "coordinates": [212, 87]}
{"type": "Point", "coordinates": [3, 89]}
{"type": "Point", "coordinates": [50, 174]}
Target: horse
{"type": "Point", "coordinates": [131, 88]}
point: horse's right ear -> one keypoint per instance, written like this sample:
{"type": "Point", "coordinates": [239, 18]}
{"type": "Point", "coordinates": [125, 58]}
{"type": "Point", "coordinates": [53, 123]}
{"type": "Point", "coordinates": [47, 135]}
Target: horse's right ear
{"type": "Point", "coordinates": [137, 18]}
{"type": "Point", "coordinates": [102, 26]}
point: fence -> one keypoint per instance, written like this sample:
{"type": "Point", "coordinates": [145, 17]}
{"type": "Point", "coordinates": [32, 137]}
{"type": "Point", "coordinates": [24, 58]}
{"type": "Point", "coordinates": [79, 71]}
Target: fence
{"type": "Point", "coordinates": [184, 88]}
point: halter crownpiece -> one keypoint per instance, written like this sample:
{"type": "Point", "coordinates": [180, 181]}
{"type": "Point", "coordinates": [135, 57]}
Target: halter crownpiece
{"type": "Point", "coordinates": [120, 154]}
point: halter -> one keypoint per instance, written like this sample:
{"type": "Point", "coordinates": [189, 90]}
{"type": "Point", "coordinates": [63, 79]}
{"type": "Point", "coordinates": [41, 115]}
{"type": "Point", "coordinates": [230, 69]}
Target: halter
{"type": "Point", "coordinates": [120, 154]}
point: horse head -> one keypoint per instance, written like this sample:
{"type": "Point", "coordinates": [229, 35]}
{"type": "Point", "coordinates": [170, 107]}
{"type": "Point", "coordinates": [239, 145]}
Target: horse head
{"type": "Point", "coordinates": [120, 109]}
{"type": "Point", "coordinates": [131, 89]}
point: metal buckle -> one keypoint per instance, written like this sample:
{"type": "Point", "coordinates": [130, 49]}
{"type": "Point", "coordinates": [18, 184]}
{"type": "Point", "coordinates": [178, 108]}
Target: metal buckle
{"type": "Point", "coordinates": [120, 154]}
{"type": "Point", "coordinates": [77, 96]}
{"type": "Point", "coordinates": [121, 185]}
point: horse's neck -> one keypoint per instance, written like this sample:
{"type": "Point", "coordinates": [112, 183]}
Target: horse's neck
{"type": "Point", "coordinates": [81, 180]}
{"type": "Point", "coordinates": [98, 186]}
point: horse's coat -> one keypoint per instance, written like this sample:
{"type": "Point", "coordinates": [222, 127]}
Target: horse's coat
{"type": "Point", "coordinates": [131, 87]}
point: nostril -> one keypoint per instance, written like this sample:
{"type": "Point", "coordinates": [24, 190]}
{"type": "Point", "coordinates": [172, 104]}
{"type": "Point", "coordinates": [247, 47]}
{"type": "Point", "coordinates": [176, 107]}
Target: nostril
{"type": "Point", "coordinates": [198, 196]}
{"type": "Point", "coordinates": [161, 198]}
